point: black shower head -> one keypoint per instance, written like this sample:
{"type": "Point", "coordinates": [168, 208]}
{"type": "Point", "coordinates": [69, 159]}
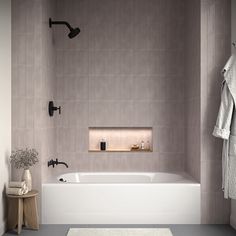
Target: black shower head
{"type": "Point", "coordinates": [73, 31]}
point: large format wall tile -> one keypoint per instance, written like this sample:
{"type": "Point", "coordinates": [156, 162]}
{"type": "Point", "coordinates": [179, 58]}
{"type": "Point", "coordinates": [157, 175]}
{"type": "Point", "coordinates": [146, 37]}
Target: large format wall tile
{"type": "Point", "coordinates": [215, 50]}
{"type": "Point", "coordinates": [125, 68]}
{"type": "Point", "coordinates": [192, 85]}
{"type": "Point", "coordinates": [33, 83]}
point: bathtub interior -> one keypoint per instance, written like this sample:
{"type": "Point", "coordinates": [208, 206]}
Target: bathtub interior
{"type": "Point", "coordinates": [125, 177]}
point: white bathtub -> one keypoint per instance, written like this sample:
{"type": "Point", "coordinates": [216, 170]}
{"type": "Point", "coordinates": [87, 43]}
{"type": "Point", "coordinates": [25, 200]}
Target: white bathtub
{"type": "Point", "coordinates": [121, 198]}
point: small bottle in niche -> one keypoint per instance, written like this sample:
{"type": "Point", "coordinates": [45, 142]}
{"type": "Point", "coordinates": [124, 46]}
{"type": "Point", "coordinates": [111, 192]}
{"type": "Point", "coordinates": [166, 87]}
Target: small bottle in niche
{"type": "Point", "coordinates": [103, 145]}
{"type": "Point", "coordinates": [148, 145]}
{"type": "Point", "coordinates": [142, 145]}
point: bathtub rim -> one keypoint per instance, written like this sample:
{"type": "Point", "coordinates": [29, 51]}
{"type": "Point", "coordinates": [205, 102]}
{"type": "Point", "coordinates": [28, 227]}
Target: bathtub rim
{"type": "Point", "coordinates": [188, 179]}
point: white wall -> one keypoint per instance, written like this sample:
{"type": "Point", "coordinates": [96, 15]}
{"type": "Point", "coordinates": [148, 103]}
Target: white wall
{"type": "Point", "coordinates": [233, 39]}
{"type": "Point", "coordinates": [5, 102]}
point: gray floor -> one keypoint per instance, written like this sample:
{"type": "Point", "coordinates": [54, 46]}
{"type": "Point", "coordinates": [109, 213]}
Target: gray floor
{"type": "Point", "coordinates": [177, 230]}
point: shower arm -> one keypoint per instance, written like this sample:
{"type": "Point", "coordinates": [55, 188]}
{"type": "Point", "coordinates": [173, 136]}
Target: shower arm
{"type": "Point", "coordinates": [59, 23]}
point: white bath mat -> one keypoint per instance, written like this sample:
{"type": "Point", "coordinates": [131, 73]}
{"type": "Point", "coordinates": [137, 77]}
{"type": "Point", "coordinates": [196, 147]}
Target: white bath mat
{"type": "Point", "coordinates": [119, 232]}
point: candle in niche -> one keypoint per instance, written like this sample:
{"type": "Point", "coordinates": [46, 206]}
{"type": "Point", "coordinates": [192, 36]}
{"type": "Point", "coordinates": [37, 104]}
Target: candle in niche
{"type": "Point", "coordinates": [103, 145]}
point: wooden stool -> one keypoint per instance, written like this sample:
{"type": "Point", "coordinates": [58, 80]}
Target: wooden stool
{"type": "Point", "coordinates": [22, 210]}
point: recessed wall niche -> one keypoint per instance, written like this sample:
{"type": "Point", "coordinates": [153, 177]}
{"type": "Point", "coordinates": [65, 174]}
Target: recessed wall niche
{"type": "Point", "coordinates": [121, 139]}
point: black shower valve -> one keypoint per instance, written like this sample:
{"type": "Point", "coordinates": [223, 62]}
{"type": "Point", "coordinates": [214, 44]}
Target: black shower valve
{"type": "Point", "coordinates": [52, 108]}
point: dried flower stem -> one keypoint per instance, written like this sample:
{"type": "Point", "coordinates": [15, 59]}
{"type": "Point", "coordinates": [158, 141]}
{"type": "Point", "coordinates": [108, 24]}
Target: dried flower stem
{"type": "Point", "coordinates": [24, 158]}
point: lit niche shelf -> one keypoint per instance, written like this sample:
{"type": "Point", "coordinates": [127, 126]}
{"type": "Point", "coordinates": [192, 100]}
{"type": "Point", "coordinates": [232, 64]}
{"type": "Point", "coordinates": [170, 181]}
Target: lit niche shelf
{"type": "Point", "coordinates": [123, 139]}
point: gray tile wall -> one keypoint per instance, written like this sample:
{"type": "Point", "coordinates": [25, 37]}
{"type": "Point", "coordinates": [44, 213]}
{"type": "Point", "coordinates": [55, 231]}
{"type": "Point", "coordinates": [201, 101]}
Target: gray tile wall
{"type": "Point", "coordinates": [193, 130]}
{"type": "Point", "coordinates": [32, 82]}
{"type": "Point", "coordinates": [126, 68]}
{"type": "Point", "coordinates": [215, 51]}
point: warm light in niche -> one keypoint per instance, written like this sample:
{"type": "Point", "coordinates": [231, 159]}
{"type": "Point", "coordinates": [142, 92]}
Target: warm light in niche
{"type": "Point", "coordinates": [120, 139]}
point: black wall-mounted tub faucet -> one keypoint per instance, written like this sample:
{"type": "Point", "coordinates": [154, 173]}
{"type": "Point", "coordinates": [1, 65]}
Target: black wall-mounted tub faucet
{"type": "Point", "coordinates": [52, 108]}
{"type": "Point", "coordinates": [56, 162]}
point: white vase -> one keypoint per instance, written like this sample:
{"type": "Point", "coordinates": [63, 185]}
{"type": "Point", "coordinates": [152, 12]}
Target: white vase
{"type": "Point", "coordinates": [27, 178]}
